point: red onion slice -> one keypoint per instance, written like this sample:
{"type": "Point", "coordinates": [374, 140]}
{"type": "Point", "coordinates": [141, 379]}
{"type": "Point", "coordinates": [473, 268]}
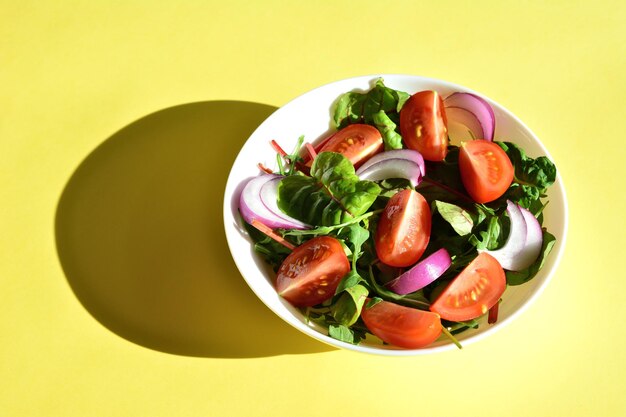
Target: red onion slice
{"type": "Point", "coordinates": [392, 168]}
{"type": "Point", "coordinates": [269, 197]}
{"type": "Point", "coordinates": [252, 205]}
{"type": "Point", "coordinates": [478, 107]}
{"type": "Point", "coordinates": [508, 254]}
{"type": "Point", "coordinates": [400, 163]}
{"type": "Point", "coordinates": [422, 274]}
{"type": "Point", "coordinates": [408, 154]}
{"type": "Point", "coordinates": [534, 241]}
{"type": "Point", "coordinates": [463, 125]}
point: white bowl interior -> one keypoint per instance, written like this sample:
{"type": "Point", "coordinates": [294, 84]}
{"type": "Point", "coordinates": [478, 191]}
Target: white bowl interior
{"type": "Point", "coordinates": [309, 115]}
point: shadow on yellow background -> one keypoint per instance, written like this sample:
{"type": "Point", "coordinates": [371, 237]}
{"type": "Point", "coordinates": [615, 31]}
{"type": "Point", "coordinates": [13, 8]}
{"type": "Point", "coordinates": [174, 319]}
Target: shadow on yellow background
{"type": "Point", "coordinates": [139, 234]}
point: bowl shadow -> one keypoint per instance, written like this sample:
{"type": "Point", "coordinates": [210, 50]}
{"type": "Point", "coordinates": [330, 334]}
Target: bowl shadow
{"type": "Point", "coordinates": [139, 234]}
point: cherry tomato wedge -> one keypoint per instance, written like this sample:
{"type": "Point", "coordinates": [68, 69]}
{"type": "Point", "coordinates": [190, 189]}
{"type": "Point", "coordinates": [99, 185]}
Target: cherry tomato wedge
{"type": "Point", "coordinates": [401, 326]}
{"type": "Point", "coordinates": [486, 170]}
{"type": "Point", "coordinates": [403, 229]}
{"type": "Point", "coordinates": [357, 142]}
{"type": "Point", "coordinates": [423, 125]}
{"type": "Point", "coordinates": [311, 273]}
{"type": "Point", "coordinates": [473, 292]}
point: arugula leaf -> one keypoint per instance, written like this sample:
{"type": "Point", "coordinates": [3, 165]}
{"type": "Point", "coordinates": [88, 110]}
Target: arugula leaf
{"type": "Point", "coordinates": [353, 278]}
{"type": "Point", "coordinates": [331, 195]}
{"type": "Point", "coordinates": [345, 334]}
{"type": "Point", "coordinates": [347, 309]}
{"type": "Point", "coordinates": [273, 252]}
{"type": "Point", "coordinates": [459, 219]}
{"type": "Point", "coordinates": [482, 212]}
{"type": "Point", "coordinates": [387, 128]}
{"type": "Point", "coordinates": [327, 230]}
{"type": "Point", "coordinates": [356, 235]}
{"type": "Point", "coordinates": [520, 277]}
{"type": "Point", "coordinates": [488, 239]}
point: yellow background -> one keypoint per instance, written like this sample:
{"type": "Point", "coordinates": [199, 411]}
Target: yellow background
{"type": "Point", "coordinates": [188, 338]}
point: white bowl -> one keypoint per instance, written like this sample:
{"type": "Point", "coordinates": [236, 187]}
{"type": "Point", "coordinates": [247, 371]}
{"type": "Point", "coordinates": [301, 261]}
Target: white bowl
{"type": "Point", "coordinates": [310, 115]}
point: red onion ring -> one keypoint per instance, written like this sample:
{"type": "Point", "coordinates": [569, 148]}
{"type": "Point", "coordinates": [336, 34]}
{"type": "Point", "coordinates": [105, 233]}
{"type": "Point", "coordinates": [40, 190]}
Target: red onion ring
{"type": "Point", "coordinates": [422, 274]}
{"type": "Point", "coordinates": [256, 202]}
{"type": "Point", "coordinates": [478, 107]}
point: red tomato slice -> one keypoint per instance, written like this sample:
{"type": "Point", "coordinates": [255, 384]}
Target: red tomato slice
{"type": "Point", "coordinates": [403, 229]}
{"type": "Point", "coordinates": [311, 273]}
{"type": "Point", "coordinates": [473, 292]}
{"type": "Point", "coordinates": [357, 142]}
{"type": "Point", "coordinates": [402, 326]}
{"type": "Point", "coordinates": [486, 170]}
{"type": "Point", "coordinates": [423, 125]}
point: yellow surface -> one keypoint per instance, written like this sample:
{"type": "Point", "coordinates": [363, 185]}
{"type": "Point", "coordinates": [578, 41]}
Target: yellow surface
{"type": "Point", "coordinates": [119, 297]}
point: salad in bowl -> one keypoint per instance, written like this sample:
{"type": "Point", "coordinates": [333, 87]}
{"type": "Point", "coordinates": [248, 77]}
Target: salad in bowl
{"type": "Point", "coordinates": [395, 214]}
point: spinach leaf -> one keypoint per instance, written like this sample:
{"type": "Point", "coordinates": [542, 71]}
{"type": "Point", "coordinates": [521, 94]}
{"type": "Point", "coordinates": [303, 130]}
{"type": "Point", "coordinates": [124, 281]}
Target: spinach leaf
{"type": "Point", "coordinates": [447, 171]}
{"type": "Point", "coordinates": [390, 186]}
{"type": "Point", "coordinates": [355, 107]}
{"type": "Point", "coordinates": [331, 195]}
{"type": "Point", "coordinates": [443, 181]}
{"type": "Point", "coordinates": [379, 107]}
{"type": "Point", "coordinates": [387, 128]}
{"type": "Point", "coordinates": [520, 277]}
{"type": "Point", "coordinates": [532, 178]}
{"type": "Point", "coordinates": [459, 219]}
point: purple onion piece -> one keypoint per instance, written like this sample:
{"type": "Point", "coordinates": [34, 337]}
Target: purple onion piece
{"type": "Point", "coordinates": [478, 107]}
{"type": "Point", "coordinates": [400, 163]}
{"type": "Point", "coordinates": [408, 154]}
{"type": "Point", "coordinates": [509, 254]}
{"type": "Point", "coordinates": [534, 240]}
{"type": "Point", "coordinates": [422, 274]}
{"type": "Point", "coordinates": [392, 168]}
{"type": "Point", "coordinates": [251, 205]}
{"type": "Point", "coordinates": [459, 122]}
